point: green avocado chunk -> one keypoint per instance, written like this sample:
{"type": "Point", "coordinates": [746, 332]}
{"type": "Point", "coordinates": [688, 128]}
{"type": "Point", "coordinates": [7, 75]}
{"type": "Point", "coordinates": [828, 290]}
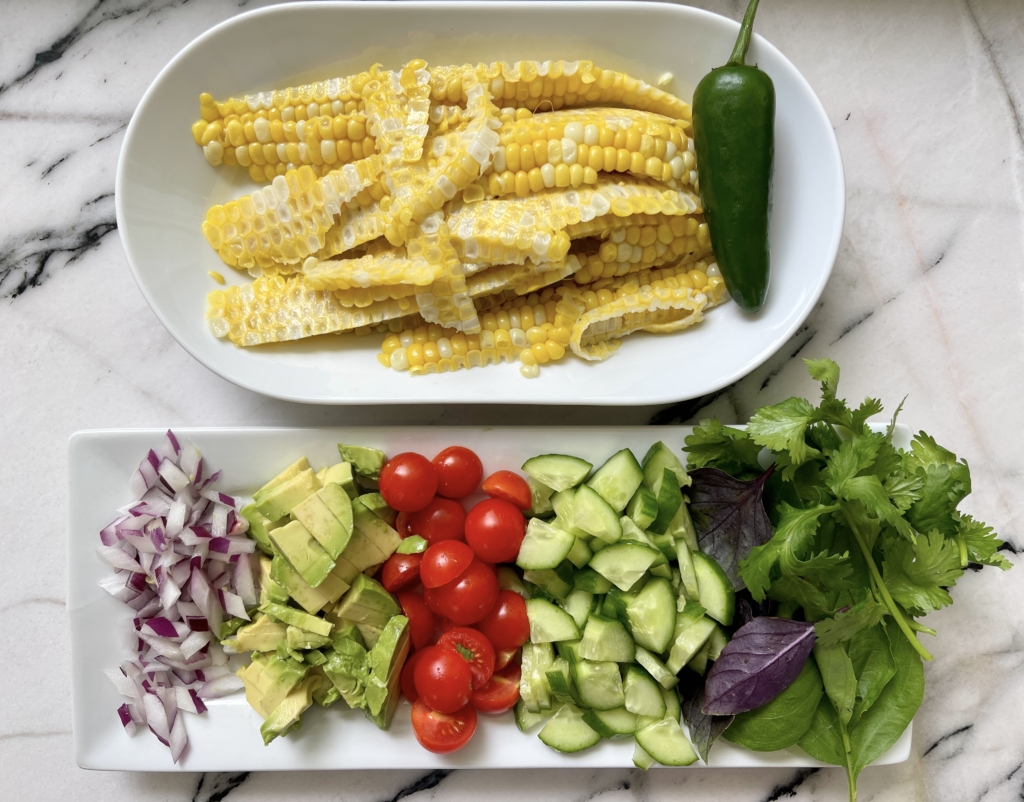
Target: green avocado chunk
{"type": "Point", "coordinates": [302, 552]}
{"type": "Point", "coordinates": [279, 501]}
{"type": "Point", "coordinates": [365, 461]}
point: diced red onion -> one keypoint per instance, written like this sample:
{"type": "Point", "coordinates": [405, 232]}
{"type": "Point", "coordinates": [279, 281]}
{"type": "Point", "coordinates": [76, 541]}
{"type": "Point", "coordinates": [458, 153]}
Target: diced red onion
{"type": "Point", "coordinates": [244, 582]}
{"type": "Point", "coordinates": [221, 686]}
{"type": "Point", "coordinates": [170, 447]}
{"type": "Point", "coordinates": [194, 642]}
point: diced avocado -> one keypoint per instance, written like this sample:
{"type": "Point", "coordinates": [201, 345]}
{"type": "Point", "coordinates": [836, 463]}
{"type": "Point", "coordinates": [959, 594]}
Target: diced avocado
{"type": "Point", "coordinates": [413, 544]}
{"type": "Point", "coordinates": [259, 527]}
{"type": "Point", "coordinates": [304, 639]}
{"type": "Point", "coordinates": [658, 457]}
{"type": "Point", "coordinates": [385, 660]}
{"type": "Point", "coordinates": [297, 618]}
{"type": "Point", "coordinates": [326, 695]}
{"type": "Point", "coordinates": [311, 599]}
{"type": "Point", "coordinates": [361, 552]}
{"type": "Point", "coordinates": [369, 633]}
{"type": "Point", "coordinates": [338, 502]}
{"type": "Point", "coordinates": [347, 669]}
{"type": "Point", "coordinates": [341, 474]}
{"type": "Point", "coordinates": [262, 635]}
{"type": "Point", "coordinates": [376, 504]}
{"type": "Point", "coordinates": [383, 536]}
{"type": "Point", "coordinates": [278, 502]}
{"type": "Point", "coordinates": [367, 603]}
{"type": "Point", "coordinates": [365, 461]}
{"type": "Point", "coordinates": [290, 472]}
{"type": "Point", "coordinates": [670, 499]}
{"type": "Point", "coordinates": [287, 716]}
{"type": "Point", "coordinates": [268, 679]}
{"type": "Point", "coordinates": [345, 570]}
{"type": "Point", "coordinates": [270, 590]}
{"type": "Point", "coordinates": [302, 552]}
{"type": "Point", "coordinates": [327, 530]}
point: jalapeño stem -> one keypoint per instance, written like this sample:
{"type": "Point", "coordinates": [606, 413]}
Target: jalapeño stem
{"type": "Point", "coordinates": [739, 52]}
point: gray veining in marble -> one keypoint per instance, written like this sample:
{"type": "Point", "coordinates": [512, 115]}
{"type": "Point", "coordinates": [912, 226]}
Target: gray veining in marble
{"type": "Point", "coordinates": [927, 299]}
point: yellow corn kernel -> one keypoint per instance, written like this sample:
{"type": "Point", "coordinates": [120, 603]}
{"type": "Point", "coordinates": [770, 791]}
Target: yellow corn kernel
{"type": "Point", "coordinates": [527, 358]}
{"type": "Point", "coordinates": [540, 353]}
{"type": "Point", "coordinates": [414, 355]}
{"type": "Point", "coordinates": [554, 349]}
{"type": "Point", "coordinates": [431, 352]}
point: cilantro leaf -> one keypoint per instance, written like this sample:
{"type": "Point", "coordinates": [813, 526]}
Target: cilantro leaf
{"type": "Point", "coordinates": [800, 592]}
{"type": "Point", "coordinates": [868, 407]}
{"type": "Point", "coordinates": [982, 543]}
{"type": "Point", "coordinates": [713, 445]}
{"type": "Point", "coordinates": [946, 483]}
{"type": "Point", "coordinates": [868, 490]}
{"type": "Point", "coordinates": [853, 456]}
{"type": "Point", "coordinates": [793, 536]}
{"type": "Point", "coordinates": [845, 625]}
{"type": "Point", "coordinates": [782, 428]}
{"type": "Point", "coordinates": [902, 489]}
{"type": "Point", "coordinates": [917, 574]}
{"type": "Point", "coordinates": [827, 372]}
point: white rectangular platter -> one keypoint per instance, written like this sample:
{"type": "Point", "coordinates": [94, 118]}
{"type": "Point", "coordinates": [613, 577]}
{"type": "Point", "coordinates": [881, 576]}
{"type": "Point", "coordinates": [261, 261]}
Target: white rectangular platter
{"type": "Point", "coordinates": [227, 738]}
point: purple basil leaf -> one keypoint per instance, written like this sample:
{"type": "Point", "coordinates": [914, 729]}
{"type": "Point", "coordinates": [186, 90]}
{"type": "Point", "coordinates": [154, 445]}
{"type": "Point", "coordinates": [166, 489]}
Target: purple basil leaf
{"type": "Point", "coordinates": [729, 517]}
{"type": "Point", "coordinates": [704, 729]}
{"type": "Point", "coordinates": [760, 662]}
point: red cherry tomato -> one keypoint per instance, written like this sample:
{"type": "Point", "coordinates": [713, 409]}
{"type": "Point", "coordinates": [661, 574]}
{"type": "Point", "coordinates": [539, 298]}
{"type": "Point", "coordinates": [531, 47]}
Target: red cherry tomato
{"type": "Point", "coordinates": [500, 693]}
{"type": "Point", "coordinates": [421, 620]}
{"type": "Point", "coordinates": [459, 472]}
{"type": "Point", "coordinates": [443, 679]}
{"type": "Point", "coordinates": [469, 598]}
{"type": "Point", "coordinates": [509, 486]}
{"type": "Point", "coordinates": [441, 733]}
{"type": "Point", "coordinates": [441, 519]}
{"type": "Point", "coordinates": [407, 680]}
{"type": "Point", "coordinates": [495, 529]}
{"type": "Point", "coordinates": [400, 571]}
{"type": "Point", "coordinates": [475, 650]}
{"type": "Point", "coordinates": [444, 562]}
{"type": "Point", "coordinates": [506, 626]}
{"type": "Point", "coordinates": [505, 657]}
{"type": "Point", "coordinates": [408, 482]}
{"type": "Point", "coordinates": [402, 524]}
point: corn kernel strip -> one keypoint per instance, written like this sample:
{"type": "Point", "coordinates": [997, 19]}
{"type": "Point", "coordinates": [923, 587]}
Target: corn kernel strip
{"type": "Point", "coordinates": [446, 300]}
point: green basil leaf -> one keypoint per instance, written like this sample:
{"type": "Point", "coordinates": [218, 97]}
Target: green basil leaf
{"type": "Point", "coordinates": [824, 739]}
{"type": "Point", "coordinates": [872, 661]}
{"type": "Point", "coordinates": [838, 678]}
{"type": "Point", "coordinates": [784, 720]}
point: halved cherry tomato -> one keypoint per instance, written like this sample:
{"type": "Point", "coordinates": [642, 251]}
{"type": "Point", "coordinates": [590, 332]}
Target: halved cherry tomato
{"type": "Point", "coordinates": [509, 486]}
{"type": "Point", "coordinates": [495, 529]}
{"type": "Point", "coordinates": [400, 571]}
{"type": "Point", "coordinates": [444, 562]}
{"type": "Point", "coordinates": [506, 625]}
{"type": "Point", "coordinates": [443, 679]}
{"type": "Point", "coordinates": [469, 598]}
{"type": "Point", "coordinates": [459, 471]}
{"type": "Point", "coordinates": [441, 519]}
{"type": "Point", "coordinates": [407, 679]}
{"type": "Point", "coordinates": [421, 620]}
{"type": "Point", "coordinates": [500, 693]}
{"type": "Point", "coordinates": [475, 650]}
{"type": "Point", "coordinates": [408, 481]}
{"type": "Point", "coordinates": [441, 733]}
{"type": "Point", "coordinates": [442, 625]}
{"type": "Point", "coordinates": [402, 524]}
{"type": "Point", "coordinates": [504, 657]}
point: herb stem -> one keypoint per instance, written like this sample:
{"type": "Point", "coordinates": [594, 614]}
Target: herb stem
{"type": "Point", "coordinates": [921, 628]}
{"type": "Point", "coordinates": [901, 622]}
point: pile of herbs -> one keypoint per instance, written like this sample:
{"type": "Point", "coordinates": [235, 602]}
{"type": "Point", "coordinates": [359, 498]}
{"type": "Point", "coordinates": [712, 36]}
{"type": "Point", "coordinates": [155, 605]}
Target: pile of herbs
{"type": "Point", "coordinates": [837, 542]}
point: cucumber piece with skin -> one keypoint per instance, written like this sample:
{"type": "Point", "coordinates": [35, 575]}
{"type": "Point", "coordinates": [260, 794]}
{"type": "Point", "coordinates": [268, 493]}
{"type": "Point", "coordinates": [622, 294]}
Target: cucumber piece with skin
{"type": "Point", "coordinates": [537, 658]}
{"type": "Point", "coordinates": [616, 723]}
{"type": "Point", "coordinates": [641, 759]}
{"type": "Point", "coordinates": [544, 546]}
{"type": "Point", "coordinates": [580, 553]}
{"type": "Point", "coordinates": [664, 571]}
{"type": "Point", "coordinates": [669, 500]}
{"type": "Point", "coordinates": [699, 662]}
{"type": "Point", "coordinates": [525, 720]}
{"type": "Point", "coordinates": [566, 731]}
{"type": "Point", "coordinates": [508, 579]}
{"type": "Point", "coordinates": [556, 582]}
{"type": "Point", "coordinates": [714, 589]}
{"type": "Point", "coordinates": [681, 526]}
{"type": "Point", "coordinates": [540, 495]}
{"type": "Point", "coordinates": [630, 531]}
{"type": "Point", "coordinates": [658, 457]}
{"type": "Point", "coordinates": [643, 507]}
{"type": "Point", "coordinates": [615, 603]}
{"type": "Point", "coordinates": [561, 503]}
{"type": "Point", "coordinates": [617, 480]}
{"type": "Point", "coordinates": [687, 573]}
{"type": "Point", "coordinates": [557, 471]}
{"type": "Point", "coordinates": [606, 640]}
{"type": "Point", "coordinates": [643, 694]}
{"type": "Point", "coordinates": [559, 680]}
{"type": "Point", "coordinates": [652, 615]}
{"type": "Point", "coordinates": [656, 668]}
{"type": "Point", "coordinates": [589, 580]}
{"type": "Point", "coordinates": [624, 563]}
{"type": "Point", "coordinates": [549, 623]}
{"type": "Point", "coordinates": [592, 514]}
{"type": "Point", "coordinates": [688, 643]}
{"type": "Point", "coordinates": [599, 685]}
{"type": "Point", "coordinates": [578, 604]}
{"type": "Point", "coordinates": [570, 650]}
{"type": "Point", "coordinates": [665, 742]}
{"type": "Point", "coordinates": [665, 543]}
{"type": "Point", "coordinates": [717, 642]}
{"type": "Point", "coordinates": [673, 709]}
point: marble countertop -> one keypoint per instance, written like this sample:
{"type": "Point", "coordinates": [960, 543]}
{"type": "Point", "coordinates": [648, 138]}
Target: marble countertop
{"type": "Point", "coordinates": [927, 300]}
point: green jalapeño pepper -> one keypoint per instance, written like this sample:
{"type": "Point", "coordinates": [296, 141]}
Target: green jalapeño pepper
{"type": "Point", "coordinates": [734, 138]}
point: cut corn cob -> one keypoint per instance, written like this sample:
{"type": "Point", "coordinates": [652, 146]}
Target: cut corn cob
{"type": "Point", "coordinates": [446, 300]}
{"type": "Point", "coordinates": [356, 226]}
{"type": "Point", "coordinates": [288, 220]}
{"type": "Point", "coordinates": [393, 267]}
{"type": "Point", "coordinates": [637, 247]}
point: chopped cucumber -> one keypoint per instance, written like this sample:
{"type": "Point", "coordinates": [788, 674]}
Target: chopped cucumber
{"type": "Point", "coordinates": [643, 507]}
{"type": "Point", "coordinates": [715, 589]}
{"type": "Point", "coordinates": [616, 723]}
{"type": "Point", "coordinates": [592, 514]}
{"type": "Point", "coordinates": [549, 623]}
{"type": "Point", "coordinates": [656, 668]}
{"type": "Point", "coordinates": [669, 501]}
{"type": "Point", "coordinates": [526, 720]}
{"type": "Point", "coordinates": [699, 662]}
{"type": "Point", "coordinates": [687, 573]}
{"type": "Point", "coordinates": [672, 707]}
{"type": "Point", "coordinates": [681, 526]}
{"type": "Point", "coordinates": [615, 603]}
{"type": "Point", "coordinates": [624, 563]}
{"type": "Point", "coordinates": [561, 503]}
{"type": "Point", "coordinates": [556, 582]}
{"type": "Point", "coordinates": [557, 471]}
{"type": "Point", "coordinates": [589, 580]}
{"type": "Point", "coordinates": [718, 640]}
{"type": "Point", "coordinates": [665, 742]}
{"type": "Point", "coordinates": [666, 543]}
{"type": "Point", "coordinates": [652, 615]}
{"type": "Point", "coordinates": [606, 640]}
{"type": "Point", "coordinates": [578, 604]}
{"type": "Point", "coordinates": [643, 694]}
{"type": "Point", "coordinates": [544, 546]}
{"type": "Point", "coordinates": [570, 650]}
{"type": "Point", "coordinates": [567, 731]}
{"type": "Point", "coordinates": [630, 531]}
{"type": "Point", "coordinates": [658, 457]}
{"type": "Point", "coordinates": [599, 685]}
{"type": "Point", "coordinates": [533, 687]}
{"type": "Point", "coordinates": [688, 643]}
{"type": "Point", "coordinates": [618, 479]}
{"type": "Point", "coordinates": [641, 759]}
{"type": "Point", "coordinates": [664, 571]}
{"type": "Point", "coordinates": [580, 553]}
{"type": "Point", "coordinates": [508, 579]}
{"type": "Point", "coordinates": [541, 498]}
{"type": "Point", "coordinates": [559, 679]}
